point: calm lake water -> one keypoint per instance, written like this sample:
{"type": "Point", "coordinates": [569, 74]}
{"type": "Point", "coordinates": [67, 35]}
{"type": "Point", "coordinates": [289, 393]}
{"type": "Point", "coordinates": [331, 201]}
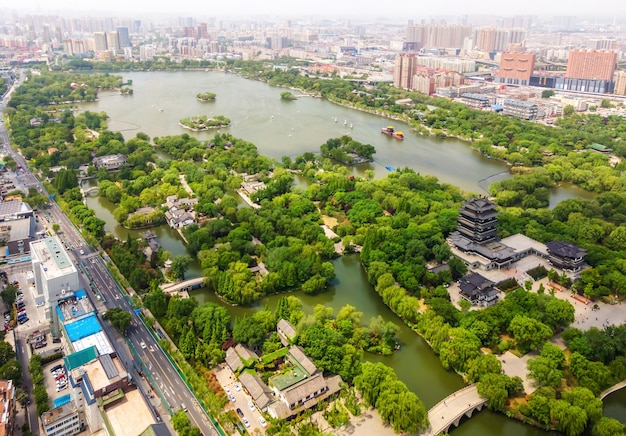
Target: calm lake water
{"type": "Point", "coordinates": [281, 128]}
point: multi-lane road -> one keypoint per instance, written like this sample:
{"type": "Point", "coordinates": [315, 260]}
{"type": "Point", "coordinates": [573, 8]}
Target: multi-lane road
{"type": "Point", "coordinates": [166, 379]}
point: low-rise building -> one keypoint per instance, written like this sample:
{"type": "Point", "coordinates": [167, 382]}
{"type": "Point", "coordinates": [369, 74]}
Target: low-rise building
{"type": "Point", "coordinates": [180, 211]}
{"type": "Point", "coordinates": [475, 100]}
{"type": "Point", "coordinates": [55, 274]}
{"type": "Point", "coordinates": [179, 218]}
{"type": "Point", "coordinates": [566, 256]}
{"type": "Point", "coordinates": [301, 386]}
{"type": "Point", "coordinates": [478, 290]}
{"type": "Point", "coordinates": [64, 420]}
{"type": "Point", "coordinates": [15, 210]}
{"type": "Point", "coordinates": [521, 109]}
{"type": "Point", "coordinates": [109, 162]}
{"type": "Point", "coordinates": [237, 355]}
{"type": "Point", "coordinates": [286, 332]}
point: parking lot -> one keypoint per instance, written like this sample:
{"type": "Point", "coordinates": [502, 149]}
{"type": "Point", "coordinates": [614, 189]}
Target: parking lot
{"type": "Point", "coordinates": [36, 314]}
{"type": "Point", "coordinates": [242, 400]}
{"type": "Point", "coordinates": [50, 380]}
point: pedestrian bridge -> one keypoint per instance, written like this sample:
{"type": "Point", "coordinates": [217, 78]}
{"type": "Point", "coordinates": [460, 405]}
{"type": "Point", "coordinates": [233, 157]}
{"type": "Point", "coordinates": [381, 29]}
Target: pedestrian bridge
{"type": "Point", "coordinates": [615, 387]}
{"type": "Point", "coordinates": [89, 191]}
{"type": "Point", "coordinates": [449, 411]}
{"type": "Point", "coordinates": [186, 285]}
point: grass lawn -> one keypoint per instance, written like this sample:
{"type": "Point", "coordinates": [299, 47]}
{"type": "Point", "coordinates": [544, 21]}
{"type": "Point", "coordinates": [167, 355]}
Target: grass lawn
{"type": "Point", "coordinates": [275, 355]}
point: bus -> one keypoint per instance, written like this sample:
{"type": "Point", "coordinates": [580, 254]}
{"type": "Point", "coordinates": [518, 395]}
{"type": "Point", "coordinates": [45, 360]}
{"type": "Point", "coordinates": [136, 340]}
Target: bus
{"type": "Point", "coordinates": [137, 368]}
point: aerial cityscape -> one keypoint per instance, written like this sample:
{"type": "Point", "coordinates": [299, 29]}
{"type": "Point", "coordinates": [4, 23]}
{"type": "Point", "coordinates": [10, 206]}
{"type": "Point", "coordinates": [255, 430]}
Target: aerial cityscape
{"type": "Point", "coordinates": [317, 219]}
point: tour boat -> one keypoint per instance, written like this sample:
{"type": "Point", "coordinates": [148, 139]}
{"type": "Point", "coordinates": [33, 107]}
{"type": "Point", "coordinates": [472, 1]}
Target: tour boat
{"type": "Point", "coordinates": [389, 130]}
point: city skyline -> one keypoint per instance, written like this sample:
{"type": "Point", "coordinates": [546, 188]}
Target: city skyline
{"type": "Point", "coordinates": [351, 8]}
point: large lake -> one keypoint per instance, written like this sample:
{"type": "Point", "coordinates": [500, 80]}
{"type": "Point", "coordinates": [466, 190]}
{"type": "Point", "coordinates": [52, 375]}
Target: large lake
{"type": "Point", "coordinates": [280, 128]}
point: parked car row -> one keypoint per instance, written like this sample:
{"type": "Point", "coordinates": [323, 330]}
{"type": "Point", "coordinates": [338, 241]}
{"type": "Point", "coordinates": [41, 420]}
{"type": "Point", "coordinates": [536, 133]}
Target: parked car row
{"type": "Point", "coordinates": [251, 405]}
{"type": "Point", "coordinates": [58, 372]}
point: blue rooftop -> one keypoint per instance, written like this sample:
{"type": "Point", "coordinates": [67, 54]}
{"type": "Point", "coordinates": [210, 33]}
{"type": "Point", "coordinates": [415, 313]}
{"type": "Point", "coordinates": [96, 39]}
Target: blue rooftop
{"type": "Point", "coordinates": [60, 401]}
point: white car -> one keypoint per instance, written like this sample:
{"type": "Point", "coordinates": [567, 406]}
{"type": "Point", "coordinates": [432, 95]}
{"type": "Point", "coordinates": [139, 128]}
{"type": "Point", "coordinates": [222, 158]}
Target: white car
{"type": "Point", "coordinates": [246, 422]}
{"type": "Point", "coordinates": [251, 405]}
{"type": "Point", "coordinates": [237, 387]}
{"type": "Point", "coordinates": [227, 391]}
{"type": "Point", "coordinates": [82, 252]}
{"type": "Point", "coordinates": [143, 345]}
{"type": "Point", "coordinates": [262, 421]}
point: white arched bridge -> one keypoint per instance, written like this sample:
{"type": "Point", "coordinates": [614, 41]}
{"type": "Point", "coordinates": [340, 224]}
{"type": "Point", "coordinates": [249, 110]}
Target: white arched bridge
{"type": "Point", "coordinates": [187, 285]}
{"type": "Point", "coordinates": [449, 411]}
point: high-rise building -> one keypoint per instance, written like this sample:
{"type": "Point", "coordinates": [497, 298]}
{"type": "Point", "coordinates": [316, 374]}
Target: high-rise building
{"type": "Point", "coordinates": [426, 82]}
{"type": "Point", "coordinates": [100, 40]}
{"type": "Point", "coordinates": [490, 39]}
{"type": "Point", "coordinates": [438, 35]}
{"type": "Point", "coordinates": [516, 68]}
{"type": "Point", "coordinates": [602, 44]}
{"type": "Point", "coordinates": [591, 64]}
{"type": "Point", "coordinates": [404, 71]}
{"type": "Point", "coordinates": [124, 38]}
{"type": "Point", "coordinates": [203, 32]}
{"type": "Point", "coordinates": [146, 53]}
{"type": "Point", "coordinates": [113, 41]}
{"type": "Point", "coordinates": [620, 83]}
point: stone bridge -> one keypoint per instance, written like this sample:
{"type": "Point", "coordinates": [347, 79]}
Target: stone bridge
{"type": "Point", "coordinates": [186, 285]}
{"type": "Point", "coordinates": [88, 191]}
{"type": "Point", "coordinates": [615, 387]}
{"type": "Point", "coordinates": [449, 411]}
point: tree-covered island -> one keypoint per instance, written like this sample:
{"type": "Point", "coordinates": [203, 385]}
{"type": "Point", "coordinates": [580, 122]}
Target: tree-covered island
{"type": "Point", "coordinates": [348, 151]}
{"type": "Point", "coordinates": [203, 122]}
{"type": "Point", "coordinates": [287, 96]}
{"type": "Point", "coordinates": [206, 96]}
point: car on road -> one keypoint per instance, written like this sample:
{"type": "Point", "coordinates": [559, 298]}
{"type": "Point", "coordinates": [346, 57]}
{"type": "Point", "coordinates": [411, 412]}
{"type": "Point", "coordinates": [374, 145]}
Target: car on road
{"type": "Point", "coordinates": [232, 398]}
{"type": "Point", "coordinates": [82, 252]}
{"type": "Point", "coordinates": [237, 387]}
{"type": "Point", "coordinates": [143, 345]}
{"type": "Point", "coordinates": [227, 391]}
{"type": "Point", "coordinates": [245, 421]}
{"type": "Point", "coordinates": [251, 405]}
{"type": "Point", "coordinates": [262, 421]}
{"type": "Point", "coordinates": [239, 412]}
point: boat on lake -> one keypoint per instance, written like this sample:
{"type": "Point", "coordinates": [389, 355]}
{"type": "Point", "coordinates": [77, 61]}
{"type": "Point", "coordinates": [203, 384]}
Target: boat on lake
{"type": "Point", "coordinates": [390, 168]}
{"type": "Point", "coordinates": [389, 130]}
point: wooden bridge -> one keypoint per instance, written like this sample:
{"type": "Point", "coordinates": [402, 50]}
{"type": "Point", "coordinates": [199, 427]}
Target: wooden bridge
{"type": "Point", "coordinates": [449, 411]}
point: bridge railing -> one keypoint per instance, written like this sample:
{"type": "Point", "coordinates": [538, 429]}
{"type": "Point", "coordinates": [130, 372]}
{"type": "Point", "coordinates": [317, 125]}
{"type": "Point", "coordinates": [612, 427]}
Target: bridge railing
{"type": "Point", "coordinates": [454, 394]}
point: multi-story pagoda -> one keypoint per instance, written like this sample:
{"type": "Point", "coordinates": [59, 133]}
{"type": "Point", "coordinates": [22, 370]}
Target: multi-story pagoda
{"type": "Point", "coordinates": [477, 220]}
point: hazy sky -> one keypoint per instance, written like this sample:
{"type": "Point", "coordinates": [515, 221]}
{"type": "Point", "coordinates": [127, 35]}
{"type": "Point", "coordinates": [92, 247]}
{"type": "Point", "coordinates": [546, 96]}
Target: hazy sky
{"type": "Point", "coordinates": [407, 9]}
